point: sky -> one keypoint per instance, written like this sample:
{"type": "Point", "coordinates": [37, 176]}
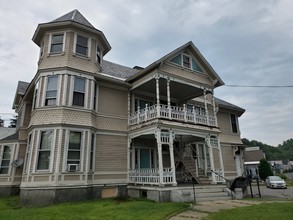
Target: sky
{"type": "Point", "coordinates": [247, 42]}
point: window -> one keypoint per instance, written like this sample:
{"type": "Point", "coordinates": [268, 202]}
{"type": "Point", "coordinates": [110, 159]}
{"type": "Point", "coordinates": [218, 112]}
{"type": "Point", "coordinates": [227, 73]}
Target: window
{"type": "Point", "coordinates": [92, 152]}
{"type": "Point", "coordinates": [45, 150]}
{"type": "Point", "coordinates": [200, 110]}
{"type": "Point", "coordinates": [186, 61]}
{"type": "Point", "coordinates": [51, 93]}
{"type": "Point", "coordinates": [42, 49]}
{"type": "Point", "coordinates": [5, 162]}
{"type": "Point", "coordinates": [78, 91]}
{"type": "Point", "coordinates": [74, 148]}
{"type": "Point", "coordinates": [99, 55]}
{"type": "Point", "coordinates": [57, 43]}
{"type": "Point", "coordinates": [234, 123]}
{"type": "Point", "coordinates": [95, 97]}
{"type": "Point", "coordinates": [27, 154]}
{"type": "Point", "coordinates": [81, 45]}
{"type": "Point", "coordinates": [142, 104]}
{"type": "Point", "coordinates": [36, 95]}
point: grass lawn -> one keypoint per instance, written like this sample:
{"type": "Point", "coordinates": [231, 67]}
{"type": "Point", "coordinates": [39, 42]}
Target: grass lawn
{"type": "Point", "coordinates": [264, 211]}
{"type": "Point", "coordinates": [98, 209]}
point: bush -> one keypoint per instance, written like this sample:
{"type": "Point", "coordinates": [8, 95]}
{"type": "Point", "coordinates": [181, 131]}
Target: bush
{"type": "Point", "coordinates": [265, 169]}
{"type": "Point", "coordinates": [283, 176]}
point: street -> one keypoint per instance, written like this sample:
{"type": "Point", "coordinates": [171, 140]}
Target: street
{"type": "Point", "coordinates": [271, 193]}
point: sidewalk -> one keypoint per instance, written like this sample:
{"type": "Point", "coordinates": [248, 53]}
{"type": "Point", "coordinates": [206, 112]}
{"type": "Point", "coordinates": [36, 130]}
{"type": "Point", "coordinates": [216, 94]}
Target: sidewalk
{"type": "Point", "coordinates": [203, 209]}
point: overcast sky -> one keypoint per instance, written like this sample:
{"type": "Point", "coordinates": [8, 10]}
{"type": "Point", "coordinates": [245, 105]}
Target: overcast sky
{"type": "Point", "coordinates": [247, 42]}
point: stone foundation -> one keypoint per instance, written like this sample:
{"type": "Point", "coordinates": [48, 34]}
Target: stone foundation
{"type": "Point", "coordinates": [44, 197]}
{"type": "Point", "coordinates": [9, 190]}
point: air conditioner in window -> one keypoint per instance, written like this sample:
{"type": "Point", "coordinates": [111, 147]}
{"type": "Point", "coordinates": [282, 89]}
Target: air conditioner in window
{"type": "Point", "coordinates": [72, 167]}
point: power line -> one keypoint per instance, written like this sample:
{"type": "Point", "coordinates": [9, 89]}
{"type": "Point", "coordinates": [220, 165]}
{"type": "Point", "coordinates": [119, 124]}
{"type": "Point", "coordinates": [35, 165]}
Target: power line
{"type": "Point", "coordinates": [254, 86]}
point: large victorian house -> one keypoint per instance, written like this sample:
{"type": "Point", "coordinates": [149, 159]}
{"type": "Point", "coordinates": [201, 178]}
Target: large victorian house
{"type": "Point", "coordinates": [90, 128]}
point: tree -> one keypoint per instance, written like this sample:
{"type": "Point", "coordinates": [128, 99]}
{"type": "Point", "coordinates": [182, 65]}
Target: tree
{"type": "Point", "coordinates": [265, 169]}
{"type": "Point", "coordinates": [13, 122]}
{"type": "Point", "coordinates": [1, 122]}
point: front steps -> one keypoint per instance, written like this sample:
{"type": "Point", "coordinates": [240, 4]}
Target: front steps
{"type": "Point", "coordinates": [180, 193]}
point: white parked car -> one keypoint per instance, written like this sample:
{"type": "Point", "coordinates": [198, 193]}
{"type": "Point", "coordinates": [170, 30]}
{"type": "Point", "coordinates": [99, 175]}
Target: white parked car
{"type": "Point", "coordinates": [275, 182]}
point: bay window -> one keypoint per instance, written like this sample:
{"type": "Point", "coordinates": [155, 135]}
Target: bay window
{"type": "Point", "coordinates": [51, 93]}
{"type": "Point", "coordinates": [81, 46]}
{"type": "Point", "coordinates": [45, 147]}
{"type": "Point", "coordinates": [56, 43]}
{"type": "Point", "coordinates": [78, 91]}
{"type": "Point", "coordinates": [74, 150]}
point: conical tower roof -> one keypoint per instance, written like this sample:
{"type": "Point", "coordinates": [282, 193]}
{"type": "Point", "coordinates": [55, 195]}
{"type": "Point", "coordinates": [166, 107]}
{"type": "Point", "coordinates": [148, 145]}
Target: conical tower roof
{"type": "Point", "coordinates": [75, 16]}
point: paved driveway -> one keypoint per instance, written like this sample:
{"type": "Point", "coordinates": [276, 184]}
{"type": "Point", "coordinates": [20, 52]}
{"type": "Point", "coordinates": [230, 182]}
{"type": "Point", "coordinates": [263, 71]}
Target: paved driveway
{"type": "Point", "coordinates": [272, 193]}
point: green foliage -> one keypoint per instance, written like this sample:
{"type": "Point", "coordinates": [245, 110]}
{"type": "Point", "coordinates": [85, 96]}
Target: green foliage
{"type": "Point", "coordinates": [283, 176]}
{"type": "Point", "coordinates": [99, 209]}
{"type": "Point", "coordinates": [276, 210]}
{"type": "Point", "coordinates": [281, 152]}
{"type": "Point", "coordinates": [264, 169]}
{"type": "Point", "coordinates": [1, 122]}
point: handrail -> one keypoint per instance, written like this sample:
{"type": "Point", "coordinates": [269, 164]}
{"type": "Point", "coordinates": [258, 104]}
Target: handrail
{"type": "Point", "coordinates": [221, 176]}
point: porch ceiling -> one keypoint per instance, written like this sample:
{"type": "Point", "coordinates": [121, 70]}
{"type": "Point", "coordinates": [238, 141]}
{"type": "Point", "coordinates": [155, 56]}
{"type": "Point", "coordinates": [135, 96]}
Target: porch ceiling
{"type": "Point", "coordinates": [179, 91]}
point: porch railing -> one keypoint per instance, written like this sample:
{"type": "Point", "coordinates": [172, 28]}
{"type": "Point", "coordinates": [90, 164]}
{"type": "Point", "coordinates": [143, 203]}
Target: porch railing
{"type": "Point", "coordinates": [150, 176]}
{"type": "Point", "coordinates": [173, 113]}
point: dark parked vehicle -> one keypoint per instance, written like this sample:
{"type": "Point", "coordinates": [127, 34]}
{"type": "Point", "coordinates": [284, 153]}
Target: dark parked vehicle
{"type": "Point", "coordinates": [275, 182]}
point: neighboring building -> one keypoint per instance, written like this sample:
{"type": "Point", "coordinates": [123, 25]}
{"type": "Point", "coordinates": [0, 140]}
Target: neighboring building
{"type": "Point", "coordinates": [90, 128]}
{"type": "Point", "coordinates": [252, 157]}
{"type": "Point", "coordinates": [5, 132]}
{"type": "Point", "coordinates": [279, 166]}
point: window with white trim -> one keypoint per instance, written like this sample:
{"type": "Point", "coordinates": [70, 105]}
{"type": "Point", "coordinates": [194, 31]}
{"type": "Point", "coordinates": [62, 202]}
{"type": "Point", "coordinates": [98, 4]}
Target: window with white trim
{"type": "Point", "coordinates": [99, 55]}
{"type": "Point", "coordinates": [74, 149]}
{"type": "Point", "coordinates": [26, 159]}
{"type": "Point", "coordinates": [95, 97]}
{"type": "Point", "coordinates": [92, 152]}
{"type": "Point", "coordinates": [51, 92]}
{"type": "Point", "coordinates": [5, 160]}
{"type": "Point", "coordinates": [187, 61]}
{"type": "Point", "coordinates": [234, 123]}
{"type": "Point", "coordinates": [44, 152]}
{"type": "Point", "coordinates": [36, 95]}
{"type": "Point", "coordinates": [78, 91]}
{"type": "Point", "coordinates": [81, 46]}
{"type": "Point", "coordinates": [56, 43]}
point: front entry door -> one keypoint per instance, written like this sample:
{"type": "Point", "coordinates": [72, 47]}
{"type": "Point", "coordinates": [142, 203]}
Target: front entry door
{"type": "Point", "coordinates": [238, 165]}
{"type": "Point", "coordinates": [145, 161]}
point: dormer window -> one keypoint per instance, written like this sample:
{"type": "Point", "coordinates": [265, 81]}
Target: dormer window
{"type": "Point", "coordinates": [56, 43]}
{"type": "Point", "coordinates": [186, 61]}
{"type": "Point", "coordinates": [81, 45]}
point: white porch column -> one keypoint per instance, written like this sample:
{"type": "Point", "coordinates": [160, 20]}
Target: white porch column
{"type": "Point", "coordinates": [128, 157]}
{"type": "Point", "coordinates": [160, 156]}
{"type": "Point", "coordinates": [220, 156]}
{"type": "Point", "coordinates": [208, 140]}
{"type": "Point", "coordinates": [169, 98]}
{"type": "Point", "coordinates": [205, 159]}
{"type": "Point", "coordinates": [171, 149]}
{"type": "Point", "coordinates": [158, 95]}
{"type": "Point", "coordinates": [206, 106]}
{"type": "Point", "coordinates": [214, 111]}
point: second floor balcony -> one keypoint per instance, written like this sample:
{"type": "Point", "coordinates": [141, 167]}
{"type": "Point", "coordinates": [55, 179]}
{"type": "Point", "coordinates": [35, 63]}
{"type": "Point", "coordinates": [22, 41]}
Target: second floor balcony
{"type": "Point", "coordinates": [174, 113]}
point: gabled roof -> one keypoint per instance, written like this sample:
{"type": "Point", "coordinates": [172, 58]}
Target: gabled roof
{"type": "Point", "coordinates": [224, 104]}
{"type": "Point", "coordinates": [189, 46]}
{"type": "Point", "coordinates": [20, 91]}
{"type": "Point", "coordinates": [75, 16]}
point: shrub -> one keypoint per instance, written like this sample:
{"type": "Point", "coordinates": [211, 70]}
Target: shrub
{"type": "Point", "coordinates": [265, 169]}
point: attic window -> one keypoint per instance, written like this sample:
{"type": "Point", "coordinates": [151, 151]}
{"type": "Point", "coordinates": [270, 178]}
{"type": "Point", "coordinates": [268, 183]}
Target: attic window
{"type": "Point", "coordinates": [186, 61]}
